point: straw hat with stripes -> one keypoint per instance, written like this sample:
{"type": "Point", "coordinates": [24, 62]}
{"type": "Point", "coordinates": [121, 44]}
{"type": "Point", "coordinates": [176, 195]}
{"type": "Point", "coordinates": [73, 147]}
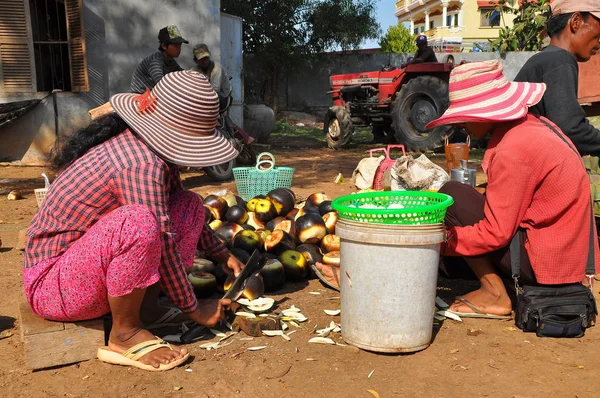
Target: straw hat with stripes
{"type": "Point", "coordinates": [178, 119]}
{"type": "Point", "coordinates": [479, 92]}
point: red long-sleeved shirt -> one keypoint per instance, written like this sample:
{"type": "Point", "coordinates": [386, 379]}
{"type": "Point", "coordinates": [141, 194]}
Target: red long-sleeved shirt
{"type": "Point", "coordinates": [121, 171]}
{"type": "Point", "coordinates": [536, 181]}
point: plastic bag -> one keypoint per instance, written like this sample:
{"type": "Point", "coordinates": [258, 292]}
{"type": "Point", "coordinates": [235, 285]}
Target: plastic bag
{"type": "Point", "coordinates": [364, 174]}
{"type": "Point", "coordinates": [409, 174]}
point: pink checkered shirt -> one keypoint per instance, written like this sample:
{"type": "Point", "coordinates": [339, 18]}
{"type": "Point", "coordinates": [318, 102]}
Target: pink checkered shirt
{"type": "Point", "coordinates": [121, 171]}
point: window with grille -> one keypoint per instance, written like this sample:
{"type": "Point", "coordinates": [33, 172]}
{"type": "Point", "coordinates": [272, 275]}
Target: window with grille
{"type": "Point", "coordinates": [490, 17]}
{"type": "Point", "coordinates": [42, 46]}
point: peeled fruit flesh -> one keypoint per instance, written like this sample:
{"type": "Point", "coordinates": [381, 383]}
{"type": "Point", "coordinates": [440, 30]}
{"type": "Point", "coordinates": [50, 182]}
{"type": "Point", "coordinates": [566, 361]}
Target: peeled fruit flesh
{"type": "Point", "coordinates": [217, 213]}
{"type": "Point", "coordinates": [311, 253]}
{"type": "Point", "coordinates": [283, 199]}
{"type": "Point", "coordinates": [288, 226]}
{"type": "Point", "coordinates": [330, 219]}
{"type": "Point", "coordinates": [263, 233]}
{"type": "Point", "coordinates": [204, 283]}
{"type": "Point", "coordinates": [292, 214]}
{"type": "Point", "coordinates": [254, 288]}
{"type": "Point", "coordinates": [279, 241]}
{"type": "Point", "coordinates": [215, 224]}
{"type": "Point", "coordinates": [294, 264]}
{"type": "Point", "coordinates": [332, 258]}
{"type": "Point", "coordinates": [248, 241]}
{"type": "Point", "coordinates": [217, 204]}
{"type": "Point", "coordinates": [273, 223]}
{"type": "Point", "coordinates": [251, 204]}
{"type": "Point", "coordinates": [316, 199]}
{"type": "Point", "coordinates": [311, 228]}
{"type": "Point", "coordinates": [236, 214]}
{"type": "Point", "coordinates": [254, 221]}
{"type": "Point", "coordinates": [330, 243]}
{"type": "Point", "coordinates": [273, 274]}
{"type": "Point", "coordinates": [15, 195]}
{"type": "Point", "coordinates": [231, 199]}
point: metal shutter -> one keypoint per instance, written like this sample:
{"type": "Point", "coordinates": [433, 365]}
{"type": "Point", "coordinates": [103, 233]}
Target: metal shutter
{"type": "Point", "coordinates": [16, 57]}
{"type": "Point", "coordinates": [77, 51]}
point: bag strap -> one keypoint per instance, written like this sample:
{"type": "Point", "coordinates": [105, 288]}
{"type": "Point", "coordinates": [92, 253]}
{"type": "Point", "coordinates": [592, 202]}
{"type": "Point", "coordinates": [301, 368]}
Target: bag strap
{"type": "Point", "coordinates": [515, 244]}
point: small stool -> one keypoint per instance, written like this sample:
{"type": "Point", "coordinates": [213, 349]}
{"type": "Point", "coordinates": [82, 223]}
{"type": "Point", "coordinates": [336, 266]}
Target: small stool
{"type": "Point", "coordinates": [49, 343]}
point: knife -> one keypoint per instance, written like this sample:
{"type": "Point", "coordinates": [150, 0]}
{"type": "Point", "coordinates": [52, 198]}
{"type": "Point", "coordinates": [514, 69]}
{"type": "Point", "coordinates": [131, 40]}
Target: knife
{"type": "Point", "coordinates": [253, 265]}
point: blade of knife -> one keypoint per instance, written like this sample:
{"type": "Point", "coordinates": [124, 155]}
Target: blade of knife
{"type": "Point", "coordinates": [253, 265]}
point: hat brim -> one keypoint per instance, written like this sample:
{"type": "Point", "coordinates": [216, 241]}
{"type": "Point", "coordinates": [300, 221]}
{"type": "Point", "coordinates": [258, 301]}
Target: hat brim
{"type": "Point", "coordinates": [178, 40]}
{"type": "Point", "coordinates": [183, 148]}
{"type": "Point", "coordinates": [519, 97]}
{"type": "Point", "coordinates": [202, 55]}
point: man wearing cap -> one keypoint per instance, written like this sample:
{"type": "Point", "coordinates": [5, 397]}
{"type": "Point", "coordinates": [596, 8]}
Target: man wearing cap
{"type": "Point", "coordinates": [537, 190]}
{"type": "Point", "coordinates": [213, 71]}
{"type": "Point", "coordinates": [424, 52]}
{"type": "Point", "coordinates": [149, 72]}
{"type": "Point", "coordinates": [574, 31]}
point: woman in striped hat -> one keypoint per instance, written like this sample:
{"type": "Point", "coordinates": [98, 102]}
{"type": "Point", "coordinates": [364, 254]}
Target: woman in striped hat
{"type": "Point", "coordinates": [537, 188]}
{"type": "Point", "coordinates": [117, 226]}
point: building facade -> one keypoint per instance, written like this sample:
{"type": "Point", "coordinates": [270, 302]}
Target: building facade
{"type": "Point", "coordinates": [453, 25]}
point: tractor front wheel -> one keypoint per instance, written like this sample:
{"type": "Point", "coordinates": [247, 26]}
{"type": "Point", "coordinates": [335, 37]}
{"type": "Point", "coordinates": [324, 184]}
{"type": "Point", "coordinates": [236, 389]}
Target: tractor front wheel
{"type": "Point", "coordinates": [420, 101]}
{"type": "Point", "coordinates": [338, 127]}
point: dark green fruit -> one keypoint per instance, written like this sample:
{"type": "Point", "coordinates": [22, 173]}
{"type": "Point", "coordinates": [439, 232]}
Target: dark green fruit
{"type": "Point", "coordinates": [248, 241]}
{"type": "Point", "coordinates": [202, 265]}
{"type": "Point", "coordinates": [236, 214]}
{"type": "Point", "coordinates": [273, 274]}
{"type": "Point", "coordinates": [316, 199]}
{"type": "Point", "coordinates": [228, 230]}
{"type": "Point", "coordinates": [294, 264]}
{"type": "Point", "coordinates": [283, 199]}
{"type": "Point", "coordinates": [204, 284]}
{"type": "Point", "coordinates": [311, 228]}
{"type": "Point", "coordinates": [325, 207]}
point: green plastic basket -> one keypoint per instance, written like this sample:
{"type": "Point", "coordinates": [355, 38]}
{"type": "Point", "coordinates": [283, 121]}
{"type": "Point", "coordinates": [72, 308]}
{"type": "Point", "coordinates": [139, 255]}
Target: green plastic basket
{"type": "Point", "coordinates": [263, 178]}
{"type": "Point", "coordinates": [418, 207]}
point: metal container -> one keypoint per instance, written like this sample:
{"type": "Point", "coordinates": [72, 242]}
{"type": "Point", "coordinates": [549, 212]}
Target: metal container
{"type": "Point", "coordinates": [464, 175]}
{"type": "Point", "coordinates": [388, 284]}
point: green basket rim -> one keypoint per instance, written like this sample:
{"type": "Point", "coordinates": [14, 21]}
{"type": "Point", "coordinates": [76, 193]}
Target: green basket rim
{"type": "Point", "coordinates": [446, 202]}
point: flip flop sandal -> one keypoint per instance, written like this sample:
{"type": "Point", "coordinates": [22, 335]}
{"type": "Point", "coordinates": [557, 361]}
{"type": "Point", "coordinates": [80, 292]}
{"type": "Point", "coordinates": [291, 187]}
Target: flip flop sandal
{"type": "Point", "coordinates": [324, 280]}
{"type": "Point", "coordinates": [167, 320]}
{"type": "Point", "coordinates": [477, 313]}
{"type": "Point", "coordinates": [131, 356]}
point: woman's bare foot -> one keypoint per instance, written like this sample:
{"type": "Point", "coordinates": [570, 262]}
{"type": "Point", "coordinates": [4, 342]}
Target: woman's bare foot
{"type": "Point", "coordinates": [485, 301]}
{"type": "Point", "coordinates": [330, 273]}
{"type": "Point", "coordinates": [121, 341]}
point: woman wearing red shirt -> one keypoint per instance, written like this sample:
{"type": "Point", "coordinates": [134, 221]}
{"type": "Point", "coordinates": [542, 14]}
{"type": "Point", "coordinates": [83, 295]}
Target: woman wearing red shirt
{"type": "Point", "coordinates": [537, 187]}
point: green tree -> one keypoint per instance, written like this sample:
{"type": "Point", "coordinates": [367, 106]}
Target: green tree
{"type": "Point", "coordinates": [398, 40]}
{"type": "Point", "coordinates": [529, 26]}
{"type": "Point", "coordinates": [284, 35]}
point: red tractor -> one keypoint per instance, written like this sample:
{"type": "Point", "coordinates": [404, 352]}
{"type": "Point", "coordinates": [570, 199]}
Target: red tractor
{"type": "Point", "coordinates": [396, 102]}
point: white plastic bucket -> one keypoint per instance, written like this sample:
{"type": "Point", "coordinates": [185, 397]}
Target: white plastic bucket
{"type": "Point", "coordinates": [388, 284]}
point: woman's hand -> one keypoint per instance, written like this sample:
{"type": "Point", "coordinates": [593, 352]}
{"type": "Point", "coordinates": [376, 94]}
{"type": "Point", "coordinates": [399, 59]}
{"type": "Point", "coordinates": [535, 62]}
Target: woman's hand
{"type": "Point", "coordinates": [210, 312]}
{"type": "Point", "coordinates": [233, 265]}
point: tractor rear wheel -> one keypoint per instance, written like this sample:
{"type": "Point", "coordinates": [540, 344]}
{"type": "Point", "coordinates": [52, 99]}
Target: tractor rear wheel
{"type": "Point", "coordinates": [420, 101]}
{"type": "Point", "coordinates": [338, 127]}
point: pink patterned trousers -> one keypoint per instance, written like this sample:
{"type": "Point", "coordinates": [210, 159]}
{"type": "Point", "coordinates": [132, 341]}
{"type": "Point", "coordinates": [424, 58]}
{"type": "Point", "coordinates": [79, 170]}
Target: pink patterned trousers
{"type": "Point", "coordinates": [119, 253]}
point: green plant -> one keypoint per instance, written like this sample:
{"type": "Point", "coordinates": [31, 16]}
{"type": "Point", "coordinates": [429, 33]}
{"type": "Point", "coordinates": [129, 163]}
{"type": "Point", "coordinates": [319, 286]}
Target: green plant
{"type": "Point", "coordinates": [529, 25]}
{"type": "Point", "coordinates": [398, 39]}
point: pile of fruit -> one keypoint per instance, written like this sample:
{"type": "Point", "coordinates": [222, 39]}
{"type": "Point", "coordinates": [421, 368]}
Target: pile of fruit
{"type": "Point", "coordinates": [291, 236]}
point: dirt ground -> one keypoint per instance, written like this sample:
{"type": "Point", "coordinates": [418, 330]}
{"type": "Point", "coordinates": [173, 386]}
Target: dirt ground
{"type": "Point", "coordinates": [470, 359]}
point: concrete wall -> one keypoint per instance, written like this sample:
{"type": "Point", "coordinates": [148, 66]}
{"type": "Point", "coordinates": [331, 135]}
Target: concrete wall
{"type": "Point", "coordinates": [308, 87]}
{"type": "Point", "coordinates": [119, 34]}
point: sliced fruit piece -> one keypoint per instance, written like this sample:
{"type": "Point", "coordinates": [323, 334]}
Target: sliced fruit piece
{"type": "Point", "coordinates": [330, 243]}
{"type": "Point", "coordinates": [311, 228]}
{"type": "Point", "coordinates": [279, 241]}
{"type": "Point", "coordinates": [332, 258]}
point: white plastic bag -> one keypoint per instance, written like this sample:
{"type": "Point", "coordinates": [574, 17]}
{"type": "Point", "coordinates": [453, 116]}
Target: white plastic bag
{"type": "Point", "coordinates": [417, 174]}
{"type": "Point", "coordinates": [364, 174]}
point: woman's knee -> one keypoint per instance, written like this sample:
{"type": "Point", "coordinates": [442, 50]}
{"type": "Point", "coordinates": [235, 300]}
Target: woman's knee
{"type": "Point", "coordinates": [454, 188]}
{"type": "Point", "coordinates": [138, 221]}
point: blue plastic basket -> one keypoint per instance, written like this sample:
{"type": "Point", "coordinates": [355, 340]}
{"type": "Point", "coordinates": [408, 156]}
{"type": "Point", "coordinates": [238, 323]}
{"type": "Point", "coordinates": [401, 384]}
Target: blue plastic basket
{"type": "Point", "coordinates": [263, 178]}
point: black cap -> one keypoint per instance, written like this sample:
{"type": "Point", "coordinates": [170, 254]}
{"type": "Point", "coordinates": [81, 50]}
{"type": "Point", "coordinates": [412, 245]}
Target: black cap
{"type": "Point", "coordinates": [170, 35]}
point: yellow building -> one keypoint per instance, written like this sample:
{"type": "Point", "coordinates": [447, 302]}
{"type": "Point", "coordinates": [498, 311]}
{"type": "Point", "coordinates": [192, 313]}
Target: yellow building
{"type": "Point", "coordinates": [453, 25]}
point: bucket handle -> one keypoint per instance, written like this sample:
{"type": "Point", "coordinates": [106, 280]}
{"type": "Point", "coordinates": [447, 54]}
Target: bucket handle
{"type": "Point", "coordinates": [266, 164]}
{"type": "Point", "coordinates": [468, 141]}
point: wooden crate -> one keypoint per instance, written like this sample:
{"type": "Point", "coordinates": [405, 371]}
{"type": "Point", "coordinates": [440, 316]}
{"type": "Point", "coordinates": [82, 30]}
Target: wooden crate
{"type": "Point", "coordinates": [49, 344]}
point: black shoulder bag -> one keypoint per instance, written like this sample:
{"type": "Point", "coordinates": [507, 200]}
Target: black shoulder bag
{"type": "Point", "coordinates": [555, 311]}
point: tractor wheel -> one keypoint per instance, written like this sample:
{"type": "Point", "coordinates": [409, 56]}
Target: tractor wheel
{"type": "Point", "coordinates": [420, 101]}
{"type": "Point", "coordinates": [338, 127]}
